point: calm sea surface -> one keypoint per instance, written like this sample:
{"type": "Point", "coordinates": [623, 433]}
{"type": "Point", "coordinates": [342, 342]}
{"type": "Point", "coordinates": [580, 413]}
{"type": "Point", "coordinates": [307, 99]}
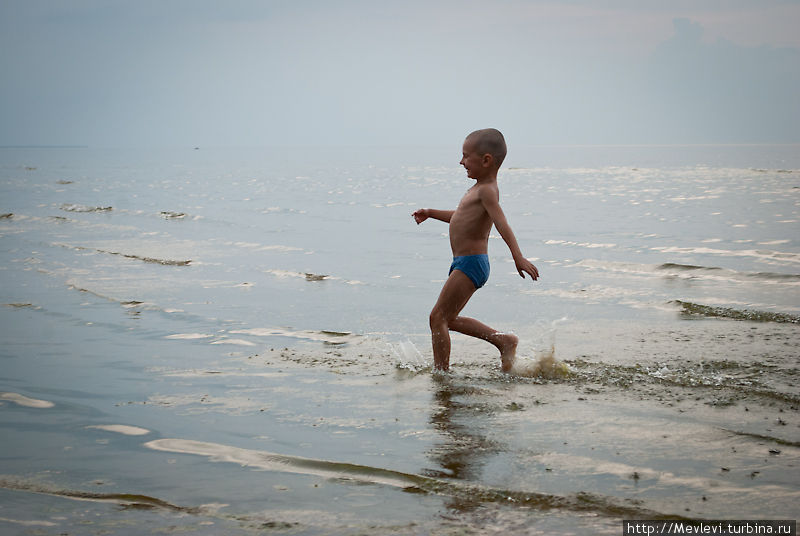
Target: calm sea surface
{"type": "Point", "coordinates": [235, 341]}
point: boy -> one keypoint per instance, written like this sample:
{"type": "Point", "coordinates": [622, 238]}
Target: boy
{"type": "Point", "coordinates": [470, 224]}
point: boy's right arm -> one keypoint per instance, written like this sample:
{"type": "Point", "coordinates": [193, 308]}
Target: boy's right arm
{"type": "Point", "coordinates": [424, 213]}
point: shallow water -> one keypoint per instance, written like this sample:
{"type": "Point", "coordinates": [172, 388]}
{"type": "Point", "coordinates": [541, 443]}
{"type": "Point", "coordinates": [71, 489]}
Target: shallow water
{"type": "Point", "coordinates": [235, 341]}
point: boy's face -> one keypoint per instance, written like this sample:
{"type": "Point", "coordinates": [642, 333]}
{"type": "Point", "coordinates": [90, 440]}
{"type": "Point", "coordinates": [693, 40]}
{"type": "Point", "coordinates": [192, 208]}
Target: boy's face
{"type": "Point", "coordinates": [476, 164]}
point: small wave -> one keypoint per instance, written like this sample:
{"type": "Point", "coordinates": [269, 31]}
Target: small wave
{"type": "Point", "coordinates": [120, 429]}
{"type": "Point", "coordinates": [760, 170]}
{"type": "Point", "coordinates": [188, 336]}
{"type": "Point", "coordinates": [6, 216]}
{"type": "Point", "coordinates": [126, 500]}
{"type": "Point", "coordinates": [151, 260]}
{"type": "Point", "coordinates": [594, 294]}
{"type": "Point", "coordinates": [410, 482]}
{"type": "Point", "coordinates": [127, 304]}
{"type": "Point", "coordinates": [695, 309]}
{"type": "Point", "coordinates": [22, 400]}
{"type": "Point", "coordinates": [169, 215]}
{"type": "Point", "coordinates": [770, 276]}
{"type": "Point", "coordinates": [589, 245]}
{"type": "Point", "coordinates": [235, 342]}
{"type": "Point", "coordinates": [761, 437]}
{"type": "Point", "coordinates": [333, 338]}
{"type": "Point", "coordinates": [264, 247]}
{"type": "Point", "coordinates": [69, 207]}
{"type": "Point", "coordinates": [764, 255]}
{"type": "Point", "coordinates": [689, 271]}
{"type": "Point", "coordinates": [687, 267]}
{"type": "Point", "coordinates": [731, 274]}
{"type": "Point", "coordinates": [310, 276]}
{"type": "Point", "coordinates": [28, 523]}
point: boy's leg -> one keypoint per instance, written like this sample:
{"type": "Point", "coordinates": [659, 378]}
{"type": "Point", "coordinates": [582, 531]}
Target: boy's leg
{"type": "Point", "coordinates": [457, 290]}
{"type": "Point", "coordinates": [506, 343]}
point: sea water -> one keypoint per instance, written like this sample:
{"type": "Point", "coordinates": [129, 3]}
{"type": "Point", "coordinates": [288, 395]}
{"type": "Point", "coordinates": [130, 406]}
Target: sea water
{"type": "Point", "coordinates": [235, 341]}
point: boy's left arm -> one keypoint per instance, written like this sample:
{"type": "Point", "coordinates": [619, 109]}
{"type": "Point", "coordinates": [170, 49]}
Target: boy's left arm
{"type": "Point", "coordinates": [491, 202]}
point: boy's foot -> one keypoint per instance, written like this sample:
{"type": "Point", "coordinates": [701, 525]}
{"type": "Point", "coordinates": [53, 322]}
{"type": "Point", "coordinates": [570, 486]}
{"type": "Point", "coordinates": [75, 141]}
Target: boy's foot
{"type": "Point", "coordinates": [508, 350]}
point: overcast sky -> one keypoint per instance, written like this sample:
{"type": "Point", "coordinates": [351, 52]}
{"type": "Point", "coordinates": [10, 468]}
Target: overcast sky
{"type": "Point", "coordinates": [384, 72]}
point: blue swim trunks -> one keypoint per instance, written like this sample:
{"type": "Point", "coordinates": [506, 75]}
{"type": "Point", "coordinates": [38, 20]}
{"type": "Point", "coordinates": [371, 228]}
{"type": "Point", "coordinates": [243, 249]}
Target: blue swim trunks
{"type": "Point", "coordinates": [476, 267]}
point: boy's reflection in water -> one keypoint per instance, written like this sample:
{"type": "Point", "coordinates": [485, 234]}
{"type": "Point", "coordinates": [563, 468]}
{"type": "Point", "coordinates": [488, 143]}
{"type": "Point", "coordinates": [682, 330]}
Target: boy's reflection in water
{"type": "Point", "coordinates": [462, 451]}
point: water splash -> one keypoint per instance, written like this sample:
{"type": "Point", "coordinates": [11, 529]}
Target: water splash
{"type": "Point", "coordinates": [544, 363]}
{"type": "Point", "coordinates": [408, 356]}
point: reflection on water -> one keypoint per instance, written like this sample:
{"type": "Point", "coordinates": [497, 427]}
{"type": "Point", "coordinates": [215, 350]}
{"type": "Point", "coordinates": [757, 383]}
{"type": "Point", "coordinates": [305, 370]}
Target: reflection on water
{"type": "Point", "coordinates": [461, 450]}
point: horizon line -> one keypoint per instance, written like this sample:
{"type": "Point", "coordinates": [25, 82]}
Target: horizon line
{"type": "Point", "coordinates": [398, 145]}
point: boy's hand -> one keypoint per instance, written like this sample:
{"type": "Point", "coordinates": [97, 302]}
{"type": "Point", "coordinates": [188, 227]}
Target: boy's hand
{"type": "Point", "coordinates": [525, 266]}
{"type": "Point", "coordinates": [420, 215]}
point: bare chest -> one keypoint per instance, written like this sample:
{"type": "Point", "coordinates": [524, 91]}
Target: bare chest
{"type": "Point", "coordinates": [470, 204]}
{"type": "Point", "coordinates": [470, 210]}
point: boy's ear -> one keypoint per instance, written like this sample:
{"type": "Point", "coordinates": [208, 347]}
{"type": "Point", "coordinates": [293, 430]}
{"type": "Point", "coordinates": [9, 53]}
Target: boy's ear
{"type": "Point", "coordinates": [488, 160]}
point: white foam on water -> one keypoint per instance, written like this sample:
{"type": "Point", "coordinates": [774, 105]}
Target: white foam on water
{"type": "Point", "coordinates": [238, 342]}
{"type": "Point", "coordinates": [771, 257]}
{"type": "Point", "coordinates": [589, 245]}
{"type": "Point", "coordinates": [269, 461]}
{"type": "Point", "coordinates": [188, 336]}
{"type": "Point", "coordinates": [22, 400]}
{"type": "Point", "coordinates": [324, 336]}
{"type": "Point", "coordinates": [28, 523]}
{"type": "Point", "coordinates": [121, 429]}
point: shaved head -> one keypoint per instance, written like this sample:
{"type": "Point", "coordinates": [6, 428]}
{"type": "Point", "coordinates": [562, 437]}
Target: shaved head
{"type": "Point", "coordinates": [489, 141]}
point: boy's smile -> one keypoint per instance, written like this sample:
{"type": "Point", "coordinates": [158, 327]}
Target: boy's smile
{"type": "Point", "coordinates": [475, 163]}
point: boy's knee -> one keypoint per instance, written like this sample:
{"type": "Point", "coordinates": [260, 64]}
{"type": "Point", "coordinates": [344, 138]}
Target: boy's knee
{"type": "Point", "coordinates": [437, 318]}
